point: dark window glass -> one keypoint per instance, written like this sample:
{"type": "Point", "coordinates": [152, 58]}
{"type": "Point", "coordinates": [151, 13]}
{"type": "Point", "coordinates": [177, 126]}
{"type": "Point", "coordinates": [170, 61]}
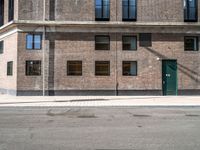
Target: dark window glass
{"type": "Point", "coordinates": [191, 44]}
{"type": "Point", "coordinates": [1, 47]}
{"type": "Point", "coordinates": [129, 10]}
{"type": "Point", "coordinates": [74, 68]}
{"type": "Point", "coordinates": [33, 41]}
{"type": "Point", "coordinates": [190, 10]}
{"type": "Point", "coordinates": [102, 43]}
{"type": "Point", "coordinates": [52, 9]}
{"type": "Point", "coordinates": [10, 68]}
{"type": "Point", "coordinates": [1, 12]}
{"type": "Point", "coordinates": [102, 68]}
{"type": "Point", "coordinates": [129, 68]}
{"type": "Point", "coordinates": [102, 10]}
{"type": "Point", "coordinates": [11, 10]}
{"type": "Point", "coordinates": [145, 40]}
{"type": "Point", "coordinates": [33, 68]}
{"type": "Point", "coordinates": [129, 42]}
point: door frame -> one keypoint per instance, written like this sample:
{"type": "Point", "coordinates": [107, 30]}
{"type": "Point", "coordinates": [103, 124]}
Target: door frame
{"type": "Point", "coordinates": [163, 93]}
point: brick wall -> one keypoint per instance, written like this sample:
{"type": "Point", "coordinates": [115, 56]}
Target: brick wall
{"type": "Point", "coordinates": [27, 82]}
{"type": "Point", "coordinates": [81, 46]}
{"type": "Point", "coordinates": [30, 10]}
{"type": "Point", "coordinates": [84, 10]}
{"type": "Point", "coordinates": [8, 83]}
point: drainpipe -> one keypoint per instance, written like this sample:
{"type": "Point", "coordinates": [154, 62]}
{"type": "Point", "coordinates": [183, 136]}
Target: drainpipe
{"type": "Point", "coordinates": [116, 54]}
{"type": "Point", "coordinates": [116, 68]}
{"type": "Point", "coordinates": [43, 50]}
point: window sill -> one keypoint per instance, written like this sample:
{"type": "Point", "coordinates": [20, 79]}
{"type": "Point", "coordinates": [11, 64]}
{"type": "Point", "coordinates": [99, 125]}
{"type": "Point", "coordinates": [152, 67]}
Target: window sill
{"type": "Point", "coordinates": [102, 19]}
{"type": "Point", "coordinates": [191, 50]}
{"type": "Point", "coordinates": [34, 50]}
{"type": "Point", "coordinates": [74, 75]}
{"type": "Point", "coordinates": [191, 21]}
{"type": "Point", "coordinates": [101, 76]}
{"type": "Point", "coordinates": [33, 75]}
{"type": "Point", "coordinates": [102, 49]}
{"type": "Point", "coordinates": [129, 75]}
{"type": "Point", "coordinates": [130, 50]}
{"type": "Point", "coordinates": [129, 20]}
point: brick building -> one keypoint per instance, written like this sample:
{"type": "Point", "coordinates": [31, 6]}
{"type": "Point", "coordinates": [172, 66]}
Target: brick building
{"type": "Point", "coordinates": [100, 47]}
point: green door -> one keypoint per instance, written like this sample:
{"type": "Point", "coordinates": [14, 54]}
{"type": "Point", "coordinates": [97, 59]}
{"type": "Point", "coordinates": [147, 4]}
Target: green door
{"type": "Point", "coordinates": [169, 77]}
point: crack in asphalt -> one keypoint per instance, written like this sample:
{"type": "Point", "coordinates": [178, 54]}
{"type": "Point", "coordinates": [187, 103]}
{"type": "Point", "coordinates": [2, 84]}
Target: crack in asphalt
{"type": "Point", "coordinates": [71, 113]}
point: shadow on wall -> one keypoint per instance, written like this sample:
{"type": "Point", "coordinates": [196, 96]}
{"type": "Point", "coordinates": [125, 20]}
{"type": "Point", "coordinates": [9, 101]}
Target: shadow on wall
{"type": "Point", "coordinates": [188, 72]}
{"type": "Point", "coordinates": [51, 67]}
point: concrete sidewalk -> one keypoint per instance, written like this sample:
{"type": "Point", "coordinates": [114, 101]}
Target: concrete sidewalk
{"type": "Point", "coordinates": [99, 101]}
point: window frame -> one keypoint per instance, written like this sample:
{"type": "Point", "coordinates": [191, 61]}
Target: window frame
{"type": "Point", "coordinates": [129, 19]}
{"type": "Point", "coordinates": [102, 14]}
{"type": "Point", "coordinates": [26, 68]}
{"type": "Point", "coordinates": [124, 36]}
{"type": "Point", "coordinates": [100, 75]}
{"type": "Point", "coordinates": [33, 43]}
{"type": "Point", "coordinates": [11, 6]}
{"type": "Point", "coordinates": [68, 74]}
{"type": "Point", "coordinates": [197, 43]}
{"type": "Point", "coordinates": [2, 13]}
{"type": "Point", "coordinates": [108, 36]}
{"type": "Point", "coordinates": [187, 9]}
{"type": "Point", "coordinates": [10, 68]}
{"type": "Point", "coordinates": [2, 51]}
{"type": "Point", "coordinates": [129, 62]}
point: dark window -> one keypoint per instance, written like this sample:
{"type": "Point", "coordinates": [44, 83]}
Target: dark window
{"type": "Point", "coordinates": [10, 68]}
{"type": "Point", "coordinates": [34, 41]}
{"type": "Point", "coordinates": [1, 47]}
{"type": "Point", "coordinates": [129, 42]}
{"type": "Point", "coordinates": [191, 43]}
{"type": "Point", "coordinates": [52, 9]}
{"type": "Point", "coordinates": [129, 10]}
{"type": "Point", "coordinates": [74, 68]}
{"type": "Point", "coordinates": [33, 68]}
{"type": "Point", "coordinates": [102, 42]}
{"type": "Point", "coordinates": [102, 68]}
{"type": "Point", "coordinates": [1, 12]}
{"type": "Point", "coordinates": [190, 10]}
{"type": "Point", "coordinates": [145, 40]}
{"type": "Point", "coordinates": [11, 10]}
{"type": "Point", "coordinates": [102, 10]}
{"type": "Point", "coordinates": [129, 68]}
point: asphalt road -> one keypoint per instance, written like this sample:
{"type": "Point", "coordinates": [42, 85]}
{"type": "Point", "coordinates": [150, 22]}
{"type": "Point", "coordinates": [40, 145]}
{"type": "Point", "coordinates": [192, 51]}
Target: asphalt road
{"type": "Point", "coordinates": [100, 128]}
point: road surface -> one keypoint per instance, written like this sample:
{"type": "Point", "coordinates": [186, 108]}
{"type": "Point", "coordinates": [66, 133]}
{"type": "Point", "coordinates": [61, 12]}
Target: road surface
{"type": "Point", "coordinates": [102, 128]}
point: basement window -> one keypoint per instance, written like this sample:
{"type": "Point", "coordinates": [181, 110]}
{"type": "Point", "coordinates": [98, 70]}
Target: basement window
{"type": "Point", "coordinates": [102, 42]}
{"type": "Point", "coordinates": [102, 68]}
{"type": "Point", "coordinates": [145, 39]}
{"type": "Point", "coordinates": [191, 43]}
{"type": "Point", "coordinates": [74, 68]}
{"type": "Point", "coordinates": [129, 42]}
{"type": "Point", "coordinates": [129, 68]}
{"type": "Point", "coordinates": [129, 10]}
{"type": "Point", "coordinates": [33, 68]}
{"type": "Point", "coordinates": [1, 47]}
{"type": "Point", "coordinates": [10, 68]}
{"type": "Point", "coordinates": [102, 10]}
{"type": "Point", "coordinates": [34, 41]}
